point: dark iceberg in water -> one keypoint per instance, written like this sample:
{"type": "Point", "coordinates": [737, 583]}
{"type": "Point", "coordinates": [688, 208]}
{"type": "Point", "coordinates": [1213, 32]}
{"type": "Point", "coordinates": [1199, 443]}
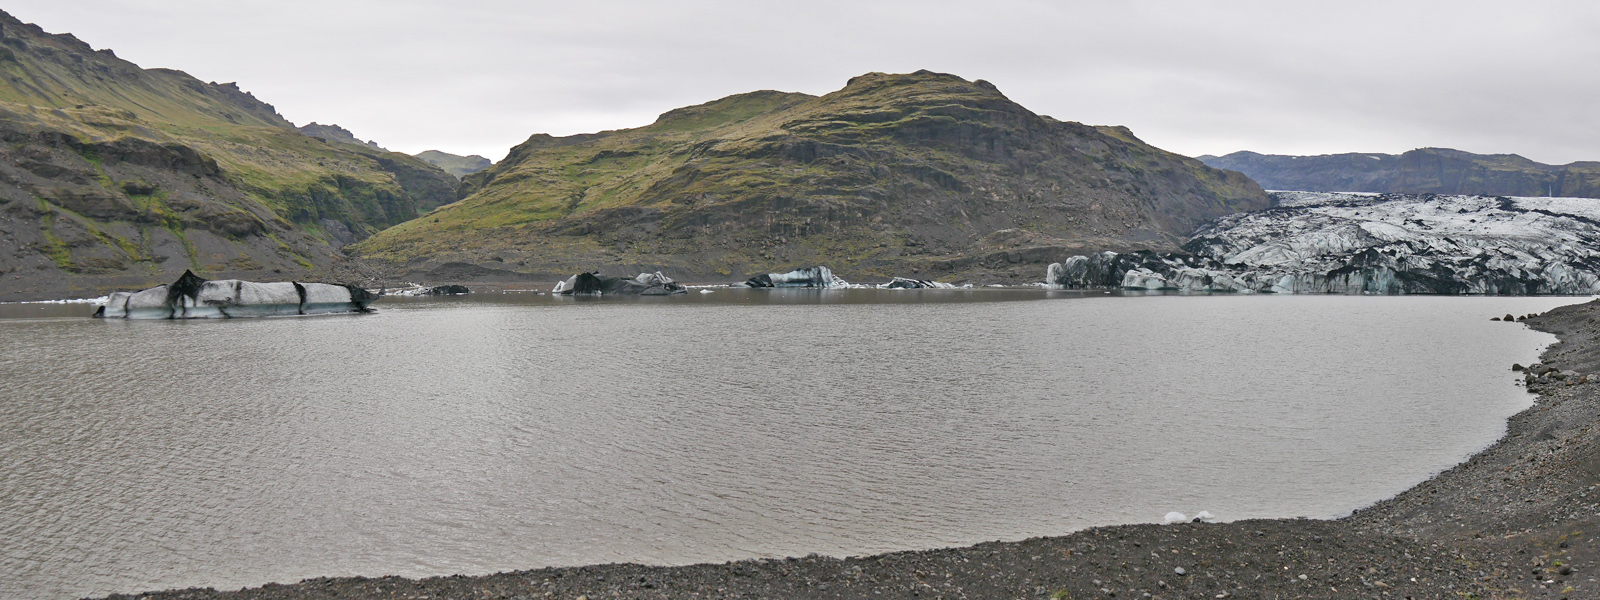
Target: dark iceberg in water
{"type": "Point", "coordinates": [809, 277]}
{"type": "Point", "coordinates": [646, 284]}
{"type": "Point", "coordinates": [193, 297]}
{"type": "Point", "coordinates": [453, 289]}
{"type": "Point", "coordinates": [906, 283]}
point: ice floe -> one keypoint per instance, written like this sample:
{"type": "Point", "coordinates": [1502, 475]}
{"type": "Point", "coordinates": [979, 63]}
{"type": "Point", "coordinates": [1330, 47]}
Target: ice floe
{"type": "Point", "coordinates": [193, 297]}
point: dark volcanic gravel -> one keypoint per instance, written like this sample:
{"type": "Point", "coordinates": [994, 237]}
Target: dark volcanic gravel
{"type": "Point", "coordinates": [1518, 520]}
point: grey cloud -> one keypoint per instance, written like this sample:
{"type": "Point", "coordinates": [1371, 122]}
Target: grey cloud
{"type": "Point", "coordinates": [1192, 77]}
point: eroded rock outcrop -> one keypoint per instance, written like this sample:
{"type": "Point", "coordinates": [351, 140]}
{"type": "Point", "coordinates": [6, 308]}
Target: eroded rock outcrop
{"type": "Point", "coordinates": [193, 297]}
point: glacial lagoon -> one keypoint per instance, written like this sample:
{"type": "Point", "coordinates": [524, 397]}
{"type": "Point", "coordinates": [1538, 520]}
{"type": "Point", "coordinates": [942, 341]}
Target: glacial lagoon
{"type": "Point", "coordinates": [512, 431]}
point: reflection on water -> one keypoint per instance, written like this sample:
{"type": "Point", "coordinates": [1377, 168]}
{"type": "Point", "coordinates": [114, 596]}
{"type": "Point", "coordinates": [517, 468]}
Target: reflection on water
{"type": "Point", "coordinates": [511, 431]}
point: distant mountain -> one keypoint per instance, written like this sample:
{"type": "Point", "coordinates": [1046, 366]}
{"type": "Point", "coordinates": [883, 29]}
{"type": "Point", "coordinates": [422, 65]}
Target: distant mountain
{"type": "Point", "coordinates": [335, 133]}
{"type": "Point", "coordinates": [1426, 170]}
{"type": "Point", "coordinates": [116, 176]}
{"type": "Point", "coordinates": [460, 166]}
{"type": "Point", "coordinates": [923, 174]}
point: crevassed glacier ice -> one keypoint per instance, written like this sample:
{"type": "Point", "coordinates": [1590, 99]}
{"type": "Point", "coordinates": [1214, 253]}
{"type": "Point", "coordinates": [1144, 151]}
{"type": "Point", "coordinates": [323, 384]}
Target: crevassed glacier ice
{"type": "Point", "coordinates": [193, 297]}
{"type": "Point", "coordinates": [1323, 242]}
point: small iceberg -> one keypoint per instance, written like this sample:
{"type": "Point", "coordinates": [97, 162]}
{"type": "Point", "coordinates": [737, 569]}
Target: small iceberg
{"type": "Point", "coordinates": [645, 284]}
{"type": "Point", "coordinates": [453, 289]}
{"type": "Point", "coordinates": [905, 283]}
{"type": "Point", "coordinates": [809, 277]}
{"type": "Point", "coordinates": [194, 297]}
{"type": "Point", "coordinates": [1178, 517]}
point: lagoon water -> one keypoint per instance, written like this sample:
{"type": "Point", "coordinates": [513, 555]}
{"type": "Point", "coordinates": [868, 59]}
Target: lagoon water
{"type": "Point", "coordinates": [515, 431]}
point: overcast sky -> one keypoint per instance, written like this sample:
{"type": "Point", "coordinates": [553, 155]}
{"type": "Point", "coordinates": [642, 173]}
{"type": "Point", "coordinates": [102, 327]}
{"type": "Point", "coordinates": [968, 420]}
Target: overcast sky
{"type": "Point", "coordinates": [1189, 76]}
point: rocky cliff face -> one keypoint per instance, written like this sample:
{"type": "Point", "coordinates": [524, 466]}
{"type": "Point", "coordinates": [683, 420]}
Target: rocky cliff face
{"type": "Point", "coordinates": [335, 133]}
{"type": "Point", "coordinates": [113, 176]}
{"type": "Point", "coordinates": [923, 173]}
{"type": "Point", "coordinates": [1315, 242]}
{"type": "Point", "coordinates": [1427, 170]}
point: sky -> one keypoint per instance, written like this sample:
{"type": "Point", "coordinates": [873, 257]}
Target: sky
{"type": "Point", "coordinates": [1191, 76]}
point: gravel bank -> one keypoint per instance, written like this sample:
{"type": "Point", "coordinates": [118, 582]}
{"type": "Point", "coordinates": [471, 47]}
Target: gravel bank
{"type": "Point", "coordinates": [1518, 520]}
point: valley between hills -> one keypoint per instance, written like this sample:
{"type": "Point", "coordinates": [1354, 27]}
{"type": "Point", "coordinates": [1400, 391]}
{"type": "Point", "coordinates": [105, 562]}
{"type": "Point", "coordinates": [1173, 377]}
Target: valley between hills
{"type": "Point", "coordinates": [116, 177]}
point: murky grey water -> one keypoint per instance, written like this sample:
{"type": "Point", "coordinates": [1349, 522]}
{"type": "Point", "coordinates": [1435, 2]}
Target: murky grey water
{"type": "Point", "coordinates": [511, 432]}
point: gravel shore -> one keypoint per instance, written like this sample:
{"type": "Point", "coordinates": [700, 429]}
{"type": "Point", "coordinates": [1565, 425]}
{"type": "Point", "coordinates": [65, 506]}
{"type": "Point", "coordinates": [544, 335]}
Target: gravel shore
{"type": "Point", "coordinates": [1518, 520]}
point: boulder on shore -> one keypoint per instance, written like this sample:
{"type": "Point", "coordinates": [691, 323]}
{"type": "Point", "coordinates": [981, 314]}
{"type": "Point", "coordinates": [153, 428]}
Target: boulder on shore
{"type": "Point", "coordinates": [194, 297]}
{"type": "Point", "coordinates": [645, 284]}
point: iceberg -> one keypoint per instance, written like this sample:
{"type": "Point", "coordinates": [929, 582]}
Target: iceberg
{"type": "Point", "coordinates": [809, 277]}
{"type": "Point", "coordinates": [903, 283]}
{"type": "Point", "coordinates": [645, 284]}
{"type": "Point", "coordinates": [194, 297]}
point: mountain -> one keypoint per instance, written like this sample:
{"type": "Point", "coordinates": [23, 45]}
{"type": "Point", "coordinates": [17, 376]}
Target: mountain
{"type": "Point", "coordinates": [924, 173]}
{"type": "Point", "coordinates": [114, 176]}
{"type": "Point", "coordinates": [335, 133]}
{"type": "Point", "coordinates": [460, 166]}
{"type": "Point", "coordinates": [1353, 243]}
{"type": "Point", "coordinates": [1426, 170]}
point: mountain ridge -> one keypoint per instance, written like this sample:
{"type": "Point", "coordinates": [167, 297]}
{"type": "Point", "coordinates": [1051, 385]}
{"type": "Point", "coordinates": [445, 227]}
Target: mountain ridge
{"type": "Point", "coordinates": [922, 173]}
{"type": "Point", "coordinates": [1419, 171]}
{"type": "Point", "coordinates": [115, 176]}
{"type": "Point", "coordinates": [454, 164]}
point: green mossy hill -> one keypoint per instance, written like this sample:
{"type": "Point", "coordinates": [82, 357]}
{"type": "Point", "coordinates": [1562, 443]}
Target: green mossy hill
{"type": "Point", "coordinates": [460, 166]}
{"type": "Point", "coordinates": [1421, 171]}
{"type": "Point", "coordinates": [924, 173]}
{"type": "Point", "coordinates": [116, 176]}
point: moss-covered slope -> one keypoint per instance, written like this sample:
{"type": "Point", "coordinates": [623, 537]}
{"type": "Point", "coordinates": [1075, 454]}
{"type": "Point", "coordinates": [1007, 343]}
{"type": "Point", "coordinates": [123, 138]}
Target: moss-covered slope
{"type": "Point", "coordinates": [923, 173]}
{"type": "Point", "coordinates": [116, 176]}
{"type": "Point", "coordinates": [455, 164]}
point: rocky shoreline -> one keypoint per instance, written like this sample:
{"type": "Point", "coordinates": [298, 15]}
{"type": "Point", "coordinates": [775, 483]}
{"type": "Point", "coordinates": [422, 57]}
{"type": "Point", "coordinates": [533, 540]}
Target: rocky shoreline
{"type": "Point", "coordinates": [1517, 520]}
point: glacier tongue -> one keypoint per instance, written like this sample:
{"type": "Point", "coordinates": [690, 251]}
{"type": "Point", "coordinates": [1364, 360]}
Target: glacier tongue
{"type": "Point", "coordinates": [1322, 242]}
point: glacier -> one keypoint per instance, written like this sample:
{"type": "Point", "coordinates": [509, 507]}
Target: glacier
{"type": "Point", "coordinates": [1357, 243]}
{"type": "Point", "coordinates": [194, 297]}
